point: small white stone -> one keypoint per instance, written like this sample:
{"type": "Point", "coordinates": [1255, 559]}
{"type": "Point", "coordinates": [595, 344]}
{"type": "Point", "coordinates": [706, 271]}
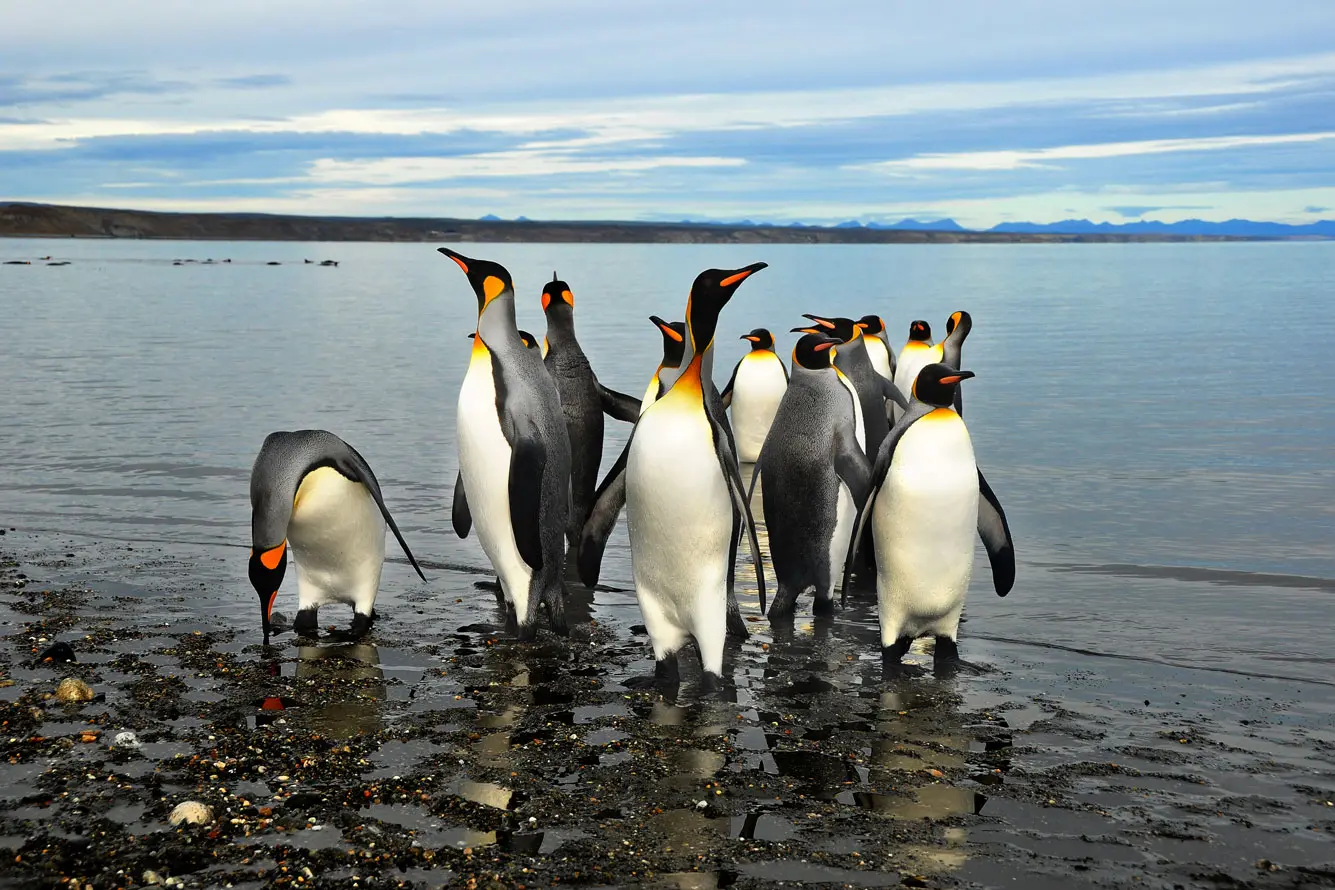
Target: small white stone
{"type": "Point", "coordinates": [702, 804]}
{"type": "Point", "coordinates": [152, 877]}
{"type": "Point", "coordinates": [191, 812]}
{"type": "Point", "coordinates": [125, 739]}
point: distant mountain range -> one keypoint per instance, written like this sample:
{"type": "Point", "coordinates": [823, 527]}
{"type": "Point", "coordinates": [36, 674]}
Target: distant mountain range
{"type": "Point", "coordinates": [1235, 228]}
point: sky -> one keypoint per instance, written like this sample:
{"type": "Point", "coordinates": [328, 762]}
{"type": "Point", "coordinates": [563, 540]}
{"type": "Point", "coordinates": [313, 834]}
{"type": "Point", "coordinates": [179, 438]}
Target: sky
{"type": "Point", "coordinates": [774, 110]}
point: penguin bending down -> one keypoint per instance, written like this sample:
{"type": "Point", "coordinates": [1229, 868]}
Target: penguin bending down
{"type": "Point", "coordinates": [882, 359]}
{"type": "Point", "coordinates": [312, 490]}
{"type": "Point", "coordinates": [683, 490]}
{"type": "Point", "coordinates": [918, 353]}
{"type": "Point", "coordinates": [816, 478]}
{"type": "Point", "coordinates": [754, 392]}
{"type": "Point", "coordinates": [928, 500]}
{"type": "Point", "coordinates": [514, 456]}
{"type": "Point", "coordinates": [583, 401]}
{"type": "Point", "coordinates": [850, 356]}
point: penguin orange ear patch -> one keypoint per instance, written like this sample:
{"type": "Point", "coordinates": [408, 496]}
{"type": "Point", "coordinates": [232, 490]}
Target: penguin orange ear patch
{"type": "Point", "coordinates": [270, 558]}
{"type": "Point", "coordinates": [568, 297]}
{"type": "Point", "coordinates": [492, 287]}
{"type": "Point", "coordinates": [546, 300]}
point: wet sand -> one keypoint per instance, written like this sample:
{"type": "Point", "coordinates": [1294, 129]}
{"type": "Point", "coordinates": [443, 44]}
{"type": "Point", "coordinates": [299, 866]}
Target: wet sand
{"type": "Point", "coordinates": [439, 752]}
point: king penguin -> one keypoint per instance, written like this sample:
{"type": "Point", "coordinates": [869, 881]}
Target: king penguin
{"type": "Point", "coordinates": [583, 401]}
{"type": "Point", "coordinates": [882, 359]}
{"type": "Point", "coordinates": [816, 476]}
{"type": "Point", "coordinates": [683, 491]}
{"type": "Point", "coordinates": [529, 341]}
{"type": "Point", "coordinates": [674, 344]}
{"type": "Point", "coordinates": [928, 500]}
{"type": "Point", "coordinates": [312, 490]}
{"type": "Point", "coordinates": [918, 353]}
{"type": "Point", "coordinates": [851, 357]}
{"type": "Point", "coordinates": [514, 456]}
{"type": "Point", "coordinates": [753, 393]}
{"type": "Point", "coordinates": [949, 351]}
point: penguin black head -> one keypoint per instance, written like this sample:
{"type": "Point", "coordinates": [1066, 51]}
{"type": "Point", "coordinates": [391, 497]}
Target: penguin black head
{"type": "Point", "coordinates": [267, 568]}
{"type": "Point", "coordinates": [814, 351]}
{"type": "Point", "coordinates": [489, 280]}
{"type": "Point", "coordinates": [556, 293]}
{"type": "Point", "coordinates": [920, 330]}
{"type": "Point", "coordinates": [710, 292]}
{"type": "Point", "coordinates": [936, 384]}
{"type": "Point", "coordinates": [961, 320]}
{"type": "Point", "coordinates": [761, 340]}
{"type": "Point", "coordinates": [844, 328]}
{"type": "Point", "coordinates": [674, 340]}
{"type": "Point", "coordinates": [871, 324]}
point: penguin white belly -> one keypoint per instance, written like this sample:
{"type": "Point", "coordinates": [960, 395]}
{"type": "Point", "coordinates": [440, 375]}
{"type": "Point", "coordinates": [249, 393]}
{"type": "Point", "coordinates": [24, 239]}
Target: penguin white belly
{"type": "Point", "coordinates": [484, 463]}
{"type": "Point", "coordinates": [337, 537]}
{"type": "Point", "coordinates": [845, 517]}
{"type": "Point", "coordinates": [911, 361]}
{"type": "Point", "coordinates": [879, 354]}
{"type": "Point", "coordinates": [679, 516]}
{"type": "Point", "coordinates": [925, 520]}
{"type": "Point", "coordinates": [756, 394]}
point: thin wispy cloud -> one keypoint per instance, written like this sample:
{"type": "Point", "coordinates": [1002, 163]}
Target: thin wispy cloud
{"type": "Point", "coordinates": [779, 110]}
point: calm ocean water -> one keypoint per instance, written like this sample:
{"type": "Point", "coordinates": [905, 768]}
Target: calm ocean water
{"type": "Point", "coordinates": [1154, 417]}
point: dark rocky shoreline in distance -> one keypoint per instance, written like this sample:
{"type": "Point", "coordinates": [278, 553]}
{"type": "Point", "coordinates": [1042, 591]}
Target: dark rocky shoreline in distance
{"type": "Point", "coordinates": [53, 221]}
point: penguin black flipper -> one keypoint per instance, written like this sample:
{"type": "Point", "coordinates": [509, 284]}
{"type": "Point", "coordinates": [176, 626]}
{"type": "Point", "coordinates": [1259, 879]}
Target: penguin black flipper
{"type": "Point", "coordinates": [528, 457]}
{"type": "Point", "coordinates": [459, 515]}
{"type": "Point", "coordinates": [618, 405]}
{"type": "Point", "coordinates": [726, 395]}
{"type": "Point", "coordinates": [732, 474]}
{"type": "Point", "coordinates": [996, 535]}
{"type": "Point", "coordinates": [878, 473]}
{"type": "Point", "coordinates": [851, 465]}
{"type": "Point", "coordinates": [891, 392]}
{"type": "Point", "coordinates": [354, 466]}
{"type": "Point", "coordinates": [608, 501]}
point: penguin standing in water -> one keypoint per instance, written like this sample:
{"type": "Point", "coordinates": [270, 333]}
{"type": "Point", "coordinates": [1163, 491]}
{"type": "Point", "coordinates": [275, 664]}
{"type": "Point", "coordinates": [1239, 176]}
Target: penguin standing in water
{"type": "Point", "coordinates": [882, 359]}
{"type": "Point", "coordinates": [514, 456]}
{"type": "Point", "coordinates": [928, 500]}
{"type": "Point", "coordinates": [754, 392]}
{"type": "Point", "coordinates": [683, 490]}
{"type": "Point", "coordinates": [312, 490]}
{"type": "Point", "coordinates": [583, 401]}
{"type": "Point", "coordinates": [949, 351]}
{"type": "Point", "coordinates": [918, 353]}
{"type": "Point", "coordinates": [816, 478]}
{"type": "Point", "coordinates": [851, 357]}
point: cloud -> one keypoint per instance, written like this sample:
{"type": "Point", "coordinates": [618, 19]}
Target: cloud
{"type": "Point", "coordinates": [255, 81]}
{"type": "Point", "coordinates": [399, 171]}
{"type": "Point", "coordinates": [1139, 210]}
{"type": "Point", "coordinates": [1017, 159]}
{"type": "Point", "coordinates": [1313, 208]}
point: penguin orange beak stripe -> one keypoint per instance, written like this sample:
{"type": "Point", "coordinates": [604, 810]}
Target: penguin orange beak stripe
{"type": "Point", "coordinates": [751, 338]}
{"type": "Point", "coordinates": [462, 264]}
{"type": "Point", "coordinates": [821, 347]}
{"type": "Point", "coordinates": [738, 277]}
{"type": "Point", "coordinates": [671, 333]}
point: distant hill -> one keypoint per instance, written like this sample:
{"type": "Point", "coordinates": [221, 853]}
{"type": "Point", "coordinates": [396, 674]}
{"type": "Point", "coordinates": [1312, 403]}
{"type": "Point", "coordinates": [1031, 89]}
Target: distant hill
{"type": "Point", "coordinates": [1235, 228]}
{"type": "Point", "coordinates": [48, 220]}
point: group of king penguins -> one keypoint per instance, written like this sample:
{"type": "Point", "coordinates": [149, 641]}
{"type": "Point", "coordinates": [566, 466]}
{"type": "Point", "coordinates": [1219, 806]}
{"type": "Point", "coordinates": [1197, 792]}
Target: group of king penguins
{"type": "Point", "coordinates": [863, 460]}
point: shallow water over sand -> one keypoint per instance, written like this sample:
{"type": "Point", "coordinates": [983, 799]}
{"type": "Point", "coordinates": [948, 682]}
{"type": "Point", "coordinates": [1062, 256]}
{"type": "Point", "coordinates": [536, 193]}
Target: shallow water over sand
{"type": "Point", "coordinates": [1153, 417]}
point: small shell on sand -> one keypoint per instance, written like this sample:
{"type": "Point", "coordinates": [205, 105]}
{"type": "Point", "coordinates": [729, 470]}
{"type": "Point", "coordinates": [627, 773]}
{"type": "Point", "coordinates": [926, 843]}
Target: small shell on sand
{"type": "Point", "coordinates": [191, 812]}
{"type": "Point", "coordinates": [72, 689]}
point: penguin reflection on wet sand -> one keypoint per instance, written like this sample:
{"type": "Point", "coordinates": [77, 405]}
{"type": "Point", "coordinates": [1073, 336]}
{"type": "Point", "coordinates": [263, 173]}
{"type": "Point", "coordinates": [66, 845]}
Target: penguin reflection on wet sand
{"type": "Point", "coordinates": [816, 475]}
{"type": "Point", "coordinates": [514, 456]}
{"type": "Point", "coordinates": [928, 500]}
{"type": "Point", "coordinates": [683, 489]}
{"type": "Point", "coordinates": [583, 401]}
{"type": "Point", "coordinates": [754, 392]}
{"type": "Point", "coordinates": [312, 490]}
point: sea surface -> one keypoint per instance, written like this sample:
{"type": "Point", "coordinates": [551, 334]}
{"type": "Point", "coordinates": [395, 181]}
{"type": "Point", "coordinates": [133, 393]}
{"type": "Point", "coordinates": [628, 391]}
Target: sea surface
{"type": "Point", "coordinates": [1155, 418]}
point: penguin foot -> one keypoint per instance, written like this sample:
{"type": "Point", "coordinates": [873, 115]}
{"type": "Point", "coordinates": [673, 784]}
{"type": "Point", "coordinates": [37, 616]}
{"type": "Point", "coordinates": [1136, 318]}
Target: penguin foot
{"type": "Point", "coordinates": [556, 614]}
{"type": "Point", "coordinates": [823, 606]}
{"type": "Point", "coordinates": [737, 629]}
{"type": "Point", "coordinates": [946, 659]}
{"type": "Point", "coordinates": [526, 633]}
{"type": "Point", "coordinates": [307, 623]}
{"type": "Point", "coordinates": [710, 683]}
{"type": "Point", "coordinates": [892, 660]}
{"type": "Point", "coordinates": [361, 626]}
{"type": "Point", "coordinates": [667, 675]}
